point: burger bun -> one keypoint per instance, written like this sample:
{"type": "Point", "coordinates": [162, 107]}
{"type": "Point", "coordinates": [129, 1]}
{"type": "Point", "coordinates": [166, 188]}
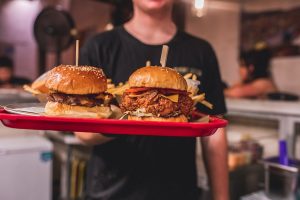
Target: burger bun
{"type": "Point", "coordinates": [180, 118]}
{"type": "Point", "coordinates": [157, 77]}
{"type": "Point", "coordinates": [59, 109]}
{"type": "Point", "coordinates": [79, 80]}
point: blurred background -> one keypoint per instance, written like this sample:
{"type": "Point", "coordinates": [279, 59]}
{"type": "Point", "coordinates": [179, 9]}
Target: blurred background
{"type": "Point", "coordinates": [256, 42]}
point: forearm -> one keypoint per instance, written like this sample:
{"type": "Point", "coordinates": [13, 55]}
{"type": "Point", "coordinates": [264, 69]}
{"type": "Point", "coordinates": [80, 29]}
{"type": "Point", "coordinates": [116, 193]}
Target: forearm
{"type": "Point", "coordinates": [214, 150]}
{"type": "Point", "coordinates": [235, 92]}
{"type": "Point", "coordinates": [92, 138]}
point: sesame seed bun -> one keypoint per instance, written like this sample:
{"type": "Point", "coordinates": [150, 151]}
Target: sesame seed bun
{"type": "Point", "coordinates": [157, 77]}
{"type": "Point", "coordinates": [80, 80]}
{"type": "Point", "coordinates": [180, 118]}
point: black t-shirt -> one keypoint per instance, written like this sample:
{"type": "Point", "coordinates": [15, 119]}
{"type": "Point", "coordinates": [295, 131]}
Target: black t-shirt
{"type": "Point", "coordinates": [144, 167]}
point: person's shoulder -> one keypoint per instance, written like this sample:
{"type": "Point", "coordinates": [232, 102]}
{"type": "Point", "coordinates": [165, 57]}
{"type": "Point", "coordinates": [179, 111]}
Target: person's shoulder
{"type": "Point", "coordinates": [196, 41]}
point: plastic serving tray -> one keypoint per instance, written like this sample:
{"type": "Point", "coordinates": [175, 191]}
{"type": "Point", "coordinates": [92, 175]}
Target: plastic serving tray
{"type": "Point", "coordinates": [112, 126]}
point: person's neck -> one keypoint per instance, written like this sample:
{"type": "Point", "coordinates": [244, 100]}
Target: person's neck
{"type": "Point", "coordinates": [152, 29]}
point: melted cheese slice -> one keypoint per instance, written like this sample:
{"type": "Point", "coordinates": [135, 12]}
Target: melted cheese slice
{"type": "Point", "coordinates": [174, 97]}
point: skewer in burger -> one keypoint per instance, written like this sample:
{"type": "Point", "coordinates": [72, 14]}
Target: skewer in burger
{"type": "Point", "coordinates": [157, 94]}
{"type": "Point", "coordinates": [78, 91]}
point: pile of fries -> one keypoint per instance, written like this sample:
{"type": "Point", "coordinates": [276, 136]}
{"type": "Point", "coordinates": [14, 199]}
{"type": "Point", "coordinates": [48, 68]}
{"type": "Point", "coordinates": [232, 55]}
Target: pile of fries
{"type": "Point", "coordinates": [193, 90]}
{"type": "Point", "coordinates": [116, 90]}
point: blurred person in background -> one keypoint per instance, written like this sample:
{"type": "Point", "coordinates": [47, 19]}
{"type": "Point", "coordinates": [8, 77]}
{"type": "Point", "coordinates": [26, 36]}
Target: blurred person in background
{"type": "Point", "coordinates": [7, 79]}
{"type": "Point", "coordinates": [154, 168]}
{"type": "Point", "coordinates": [255, 77]}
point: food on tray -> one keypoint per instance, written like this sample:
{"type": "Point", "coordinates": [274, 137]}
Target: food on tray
{"type": "Point", "coordinates": [157, 94]}
{"type": "Point", "coordinates": [119, 89]}
{"type": "Point", "coordinates": [38, 86]}
{"type": "Point", "coordinates": [193, 89]}
{"type": "Point", "coordinates": [78, 91]}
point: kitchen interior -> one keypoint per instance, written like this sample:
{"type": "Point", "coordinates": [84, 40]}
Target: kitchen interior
{"type": "Point", "coordinates": [37, 164]}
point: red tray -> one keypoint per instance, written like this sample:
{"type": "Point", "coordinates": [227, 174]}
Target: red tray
{"type": "Point", "coordinates": [112, 126]}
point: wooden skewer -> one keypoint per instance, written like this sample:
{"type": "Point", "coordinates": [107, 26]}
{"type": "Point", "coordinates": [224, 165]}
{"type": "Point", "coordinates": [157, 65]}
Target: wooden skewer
{"type": "Point", "coordinates": [77, 52]}
{"type": "Point", "coordinates": [164, 55]}
{"type": "Point", "coordinates": [148, 63]}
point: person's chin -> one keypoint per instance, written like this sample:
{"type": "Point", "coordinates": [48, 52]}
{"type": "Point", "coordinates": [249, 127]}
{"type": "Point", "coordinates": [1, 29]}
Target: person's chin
{"type": "Point", "coordinates": [156, 5]}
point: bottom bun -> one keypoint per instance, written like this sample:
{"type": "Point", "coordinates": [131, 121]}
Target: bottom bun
{"type": "Point", "coordinates": [180, 118]}
{"type": "Point", "coordinates": [59, 109]}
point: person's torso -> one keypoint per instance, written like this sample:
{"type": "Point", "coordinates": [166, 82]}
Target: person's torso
{"type": "Point", "coordinates": [141, 167]}
{"type": "Point", "coordinates": [120, 54]}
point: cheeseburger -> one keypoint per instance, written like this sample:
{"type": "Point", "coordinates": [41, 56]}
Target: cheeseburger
{"type": "Point", "coordinates": [77, 91]}
{"type": "Point", "coordinates": [157, 94]}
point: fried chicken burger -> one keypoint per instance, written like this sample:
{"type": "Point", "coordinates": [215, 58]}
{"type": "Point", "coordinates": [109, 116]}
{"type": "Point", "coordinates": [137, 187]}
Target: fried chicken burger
{"type": "Point", "coordinates": [157, 94]}
{"type": "Point", "coordinates": [77, 91]}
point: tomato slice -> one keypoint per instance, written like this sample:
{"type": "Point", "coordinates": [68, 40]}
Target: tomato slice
{"type": "Point", "coordinates": [161, 90]}
{"type": "Point", "coordinates": [137, 89]}
{"type": "Point", "coordinates": [172, 91]}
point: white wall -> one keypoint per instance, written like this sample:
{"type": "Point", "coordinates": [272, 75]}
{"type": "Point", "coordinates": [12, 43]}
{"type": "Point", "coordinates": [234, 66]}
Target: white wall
{"type": "Point", "coordinates": [16, 28]}
{"type": "Point", "coordinates": [87, 15]}
{"type": "Point", "coordinates": [16, 22]}
{"type": "Point", "coordinates": [220, 26]}
{"type": "Point", "coordinates": [264, 5]}
{"type": "Point", "coordinates": [285, 70]}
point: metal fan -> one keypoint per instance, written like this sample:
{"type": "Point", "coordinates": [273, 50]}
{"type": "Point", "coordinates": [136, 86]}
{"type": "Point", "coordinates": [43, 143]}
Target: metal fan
{"type": "Point", "coordinates": [54, 31]}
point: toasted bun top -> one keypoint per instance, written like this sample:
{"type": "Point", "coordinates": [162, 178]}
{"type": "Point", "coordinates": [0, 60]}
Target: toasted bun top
{"type": "Point", "coordinates": [158, 77]}
{"type": "Point", "coordinates": [70, 79]}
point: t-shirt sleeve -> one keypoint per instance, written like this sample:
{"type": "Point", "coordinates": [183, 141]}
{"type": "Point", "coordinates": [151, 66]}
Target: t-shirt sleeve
{"type": "Point", "coordinates": [211, 84]}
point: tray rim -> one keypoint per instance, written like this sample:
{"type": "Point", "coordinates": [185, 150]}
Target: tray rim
{"type": "Point", "coordinates": [113, 126]}
{"type": "Point", "coordinates": [11, 116]}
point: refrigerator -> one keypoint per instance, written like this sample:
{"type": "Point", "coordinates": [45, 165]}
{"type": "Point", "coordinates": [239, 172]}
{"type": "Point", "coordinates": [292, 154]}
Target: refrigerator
{"type": "Point", "coordinates": [25, 168]}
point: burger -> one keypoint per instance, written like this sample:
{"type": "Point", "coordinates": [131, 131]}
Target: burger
{"type": "Point", "coordinates": [157, 94]}
{"type": "Point", "coordinates": [77, 91]}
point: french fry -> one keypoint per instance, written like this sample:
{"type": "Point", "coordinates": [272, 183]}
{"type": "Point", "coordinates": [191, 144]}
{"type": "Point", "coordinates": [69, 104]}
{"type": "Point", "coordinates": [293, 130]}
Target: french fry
{"type": "Point", "coordinates": [194, 77]}
{"type": "Point", "coordinates": [30, 90]}
{"type": "Point", "coordinates": [187, 76]}
{"type": "Point", "coordinates": [111, 86]}
{"type": "Point", "coordinates": [199, 97]}
{"type": "Point", "coordinates": [118, 90]}
{"type": "Point", "coordinates": [207, 104]}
